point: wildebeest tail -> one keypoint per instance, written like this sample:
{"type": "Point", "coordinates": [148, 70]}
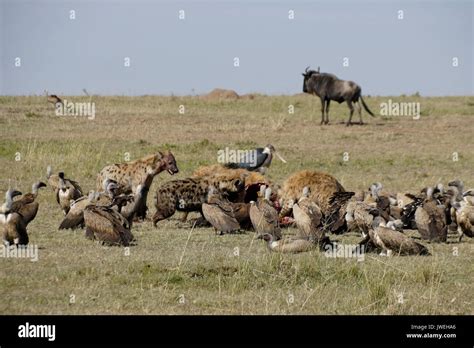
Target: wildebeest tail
{"type": "Point", "coordinates": [366, 107]}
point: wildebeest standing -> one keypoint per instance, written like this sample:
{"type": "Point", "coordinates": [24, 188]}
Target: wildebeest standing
{"type": "Point", "coordinates": [328, 87]}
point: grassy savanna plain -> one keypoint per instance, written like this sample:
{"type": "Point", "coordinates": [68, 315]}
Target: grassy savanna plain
{"type": "Point", "coordinates": [175, 269]}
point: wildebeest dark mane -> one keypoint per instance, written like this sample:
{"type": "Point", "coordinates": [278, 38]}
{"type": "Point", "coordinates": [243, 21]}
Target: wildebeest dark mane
{"type": "Point", "coordinates": [324, 79]}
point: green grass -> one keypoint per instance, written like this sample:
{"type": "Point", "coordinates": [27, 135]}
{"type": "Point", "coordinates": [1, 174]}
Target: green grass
{"type": "Point", "coordinates": [172, 263]}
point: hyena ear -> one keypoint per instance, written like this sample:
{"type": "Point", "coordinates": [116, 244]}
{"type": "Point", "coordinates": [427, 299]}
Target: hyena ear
{"type": "Point", "coordinates": [243, 176]}
{"type": "Point", "coordinates": [166, 153]}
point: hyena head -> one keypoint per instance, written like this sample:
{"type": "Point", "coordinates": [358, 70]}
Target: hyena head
{"type": "Point", "coordinates": [230, 185]}
{"type": "Point", "coordinates": [168, 162]}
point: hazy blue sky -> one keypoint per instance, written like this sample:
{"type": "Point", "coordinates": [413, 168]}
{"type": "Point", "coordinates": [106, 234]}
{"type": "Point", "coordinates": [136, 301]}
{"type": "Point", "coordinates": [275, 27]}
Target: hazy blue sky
{"type": "Point", "coordinates": [387, 56]}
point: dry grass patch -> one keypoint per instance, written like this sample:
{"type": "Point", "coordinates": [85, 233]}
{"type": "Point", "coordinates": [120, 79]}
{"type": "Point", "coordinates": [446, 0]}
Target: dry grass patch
{"type": "Point", "coordinates": [170, 264]}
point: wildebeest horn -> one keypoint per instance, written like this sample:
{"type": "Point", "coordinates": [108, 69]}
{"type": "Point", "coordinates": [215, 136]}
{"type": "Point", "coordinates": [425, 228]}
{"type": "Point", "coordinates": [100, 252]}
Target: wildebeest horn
{"type": "Point", "coordinates": [306, 70]}
{"type": "Point", "coordinates": [318, 68]}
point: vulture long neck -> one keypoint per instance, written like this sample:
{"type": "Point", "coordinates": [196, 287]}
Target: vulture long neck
{"type": "Point", "coordinates": [8, 201]}
{"type": "Point", "coordinates": [35, 188]}
{"type": "Point", "coordinates": [136, 203]}
{"type": "Point", "coordinates": [269, 242]}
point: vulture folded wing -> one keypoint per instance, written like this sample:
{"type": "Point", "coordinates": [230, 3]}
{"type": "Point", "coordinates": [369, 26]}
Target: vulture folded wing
{"type": "Point", "coordinates": [466, 221]}
{"type": "Point", "coordinates": [312, 210]}
{"type": "Point", "coordinates": [469, 211]}
{"type": "Point", "coordinates": [256, 217]}
{"type": "Point", "coordinates": [77, 187]}
{"type": "Point", "coordinates": [242, 215]}
{"type": "Point", "coordinates": [20, 203]}
{"type": "Point", "coordinates": [270, 214]}
{"type": "Point", "coordinates": [29, 211]}
{"type": "Point", "coordinates": [339, 198]}
{"type": "Point", "coordinates": [334, 219]}
{"type": "Point", "coordinates": [400, 243]}
{"type": "Point", "coordinates": [301, 216]}
{"type": "Point", "coordinates": [422, 220]}
{"type": "Point", "coordinates": [15, 230]}
{"type": "Point", "coordinates": [130, 207]}
{"type": "Point", "coordinates": [75, 216]}
{"type": "Point", "coordinates": [225, 206]}
{"type": "Point", "coordinates": [107, 225]}
{"type": "Point", "coordinates": [220, 220]}
{"type": "Point", "coordinates": [303, 220]}
{"type": "Point", "coordinates": [363, 219]}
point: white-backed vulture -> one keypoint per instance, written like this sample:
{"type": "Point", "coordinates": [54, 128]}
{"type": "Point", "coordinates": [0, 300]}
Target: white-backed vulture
{"type": "Point", "coordinates": [288, 245]}
{"type": "Point", "coordinates": [129, 205]}
{"type": "Point", "coordinates": [468, 197]}
{"type": "Point", "coordinates": [264, 216]}
{"type": "Point", "coordinates": [14, 228]}
{"type": "Point", "coordinates": [360, 215]}
{"type": "Point", "coordinates": [375, 191]}
{"type": "Point", "coordinates": [409, 210]}
{"type": "Point", "coordinates": [242, 214]}
{"type": "Point", "coordinates": [308, 218]}
{"type": "Point", "coordinates": [219, 212]}
{"type": "Point", "coordinates": [107, 225]}
{"type": "Point", "coordinates": [383, 201]}
{"type": "Point", "coordinates": [335, 220]}
{"type": "Point", "coordinates": [431, 219]}
{"type": "Point", "coordinates": [403, 199]}
{"type": "Point", "coordinates": [29, 206]}
{"type": "Point", "coordinates": [393, 242]}
{"type": "Point", "coordinates": [464, 215]}
{"type": "Point", "coordinates": [396, 225]}
{"type": "Point", "coordinates": [65, 190]}
{"type": "Point", "coordinates": [75, 216]}
{"type": "Point", "coordinates": [54, 180]}
{"type": "Point", "coordinates": [459, 185]}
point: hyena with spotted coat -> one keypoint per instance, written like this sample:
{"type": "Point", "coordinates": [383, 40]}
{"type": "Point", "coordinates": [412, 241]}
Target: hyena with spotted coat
{"type": "Point", "coordinates": [189, 194]}
{"type": "Point", "coordinates": [322, 187]}
{"type": "Point", "coordinates": [139, 172]}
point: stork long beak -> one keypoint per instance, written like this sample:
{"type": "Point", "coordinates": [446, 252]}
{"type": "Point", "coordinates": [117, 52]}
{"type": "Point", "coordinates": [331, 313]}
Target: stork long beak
{"type": "Point", "coordinates": [281, 158]}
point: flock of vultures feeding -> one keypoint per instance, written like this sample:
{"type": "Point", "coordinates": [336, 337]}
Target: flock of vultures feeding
{"type": "Point", "coordinates": [237, 197]}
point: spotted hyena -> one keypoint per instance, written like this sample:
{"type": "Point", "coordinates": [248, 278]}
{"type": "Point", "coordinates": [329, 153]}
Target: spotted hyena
{"type": "Point", "coordinates": [322, 187]}
{"type": "Point", "coordinates": [140, 172]}
{"type": "Point", "coordinates": [189, 194]}
{"type": "Point", "coordinates": [253, 180]}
